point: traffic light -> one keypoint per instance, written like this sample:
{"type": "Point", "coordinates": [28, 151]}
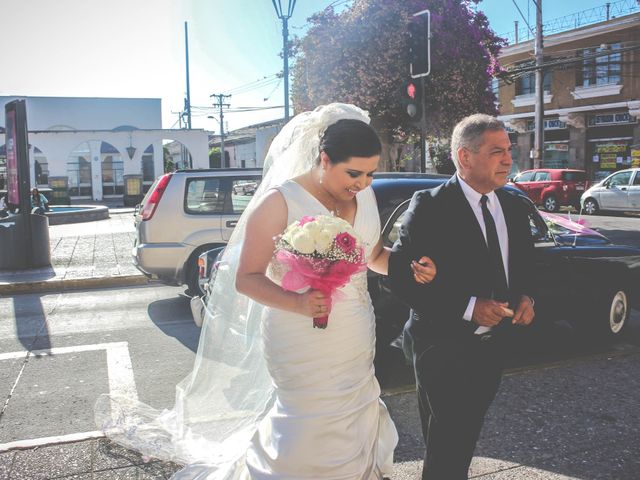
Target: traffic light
{"type": "Point", "coordinates": [419, 47]}
{"type": "Point", "coordinates": [413, 100]}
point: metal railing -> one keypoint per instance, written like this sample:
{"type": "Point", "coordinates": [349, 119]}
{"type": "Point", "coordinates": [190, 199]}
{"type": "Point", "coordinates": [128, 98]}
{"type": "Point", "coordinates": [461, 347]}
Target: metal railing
{"type": "Point", "coordinates": [607, 11]}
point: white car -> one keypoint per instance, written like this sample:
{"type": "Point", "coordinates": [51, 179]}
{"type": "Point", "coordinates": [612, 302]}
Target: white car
{"type": "Point", "coordinates": [619, 191]}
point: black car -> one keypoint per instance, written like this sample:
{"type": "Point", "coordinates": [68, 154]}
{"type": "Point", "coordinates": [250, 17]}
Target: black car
{"type": "Point", "coordinates": [590, 284]}
{"type": "Point", "coordinates": [585, 281]}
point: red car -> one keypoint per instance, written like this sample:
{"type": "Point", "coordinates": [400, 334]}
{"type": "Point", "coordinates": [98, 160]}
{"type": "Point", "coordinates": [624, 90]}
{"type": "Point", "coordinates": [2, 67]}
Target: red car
{"type": "Point", "coordinates": [552, 187]}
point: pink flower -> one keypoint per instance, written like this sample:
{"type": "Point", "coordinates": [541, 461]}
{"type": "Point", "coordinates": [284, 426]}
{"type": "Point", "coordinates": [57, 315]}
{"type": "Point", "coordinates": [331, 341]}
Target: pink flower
{"type": "Point", "coordinates": [306, 219]}
{"type": "Point", "coordinates": [346, 242]}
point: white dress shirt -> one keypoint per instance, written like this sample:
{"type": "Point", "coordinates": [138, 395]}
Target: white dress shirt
{"type": "Point", "coordinates": [493, 204]}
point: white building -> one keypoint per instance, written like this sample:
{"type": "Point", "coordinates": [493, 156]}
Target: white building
{"type": "Point", "coordinates": [85, 148]}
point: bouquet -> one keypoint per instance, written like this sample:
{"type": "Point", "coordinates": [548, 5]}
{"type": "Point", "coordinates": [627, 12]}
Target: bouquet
{"type": "Point", "coordinates": [321, 253]}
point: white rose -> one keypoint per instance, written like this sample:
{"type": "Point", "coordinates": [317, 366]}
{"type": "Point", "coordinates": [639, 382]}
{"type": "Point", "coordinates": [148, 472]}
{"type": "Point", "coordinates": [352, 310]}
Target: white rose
{"type": "Point", "coordinates": [323, 241]}
{"type": "Point", "coordinates": [302, 242]}
{"type": "Point", "coordinates": [311, 228]}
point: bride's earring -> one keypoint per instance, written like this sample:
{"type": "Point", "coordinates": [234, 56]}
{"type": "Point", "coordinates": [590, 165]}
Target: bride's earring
{"type": "Point", "coordinates": [321, 176]}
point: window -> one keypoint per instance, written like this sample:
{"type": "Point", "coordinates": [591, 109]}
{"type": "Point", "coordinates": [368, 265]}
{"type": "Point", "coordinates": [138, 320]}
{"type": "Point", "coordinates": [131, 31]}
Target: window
{"type": "Point", "coordinates": [600, 70]}
{"type": "Point", "coordinates": [79, 173]}
{"type": "Point", "coordinates": [205, 196]}
{"type": "Point", "coordinates": [542, 177]}
{"type": "Point", "coordinates": [112, 175]}
{"type": "Point", "coordinates": [526, 85]}
{"type": "Point", "coordinates": [41, 167]}
{"type": "Point", "coordinates": [636, 181]}
{"type": "Point", "coordinates": [573, 176]}
{"type": "Point", "coordinates": [242, 191]}
{"type": "Point", "coordinates": [619, 179]}
{"type": "Point", "coordinates": [525, 177]}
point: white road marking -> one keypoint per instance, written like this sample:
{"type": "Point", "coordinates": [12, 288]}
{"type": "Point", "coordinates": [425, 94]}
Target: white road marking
{"type": "Point", "coordinates": [121, 382]}
{"type": "Point", "coordinates": [40, 442]}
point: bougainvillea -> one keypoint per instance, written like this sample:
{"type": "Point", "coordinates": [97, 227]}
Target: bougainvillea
{"type": "Point", "coordinates": [360, 55]}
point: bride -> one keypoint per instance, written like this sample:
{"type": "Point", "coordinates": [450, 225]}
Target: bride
{"type": "Point", "coordinates": [270, 397]}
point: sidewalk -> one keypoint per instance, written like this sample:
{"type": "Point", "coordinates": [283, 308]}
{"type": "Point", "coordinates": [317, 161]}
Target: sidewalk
{"type": "Point", "coordinates": [571, 421]}
{"type": "Point", "coordinates": [83, 255]}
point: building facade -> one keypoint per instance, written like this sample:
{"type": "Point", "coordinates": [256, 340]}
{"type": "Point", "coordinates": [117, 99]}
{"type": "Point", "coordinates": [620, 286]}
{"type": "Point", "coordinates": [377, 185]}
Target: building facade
{"type": "Point", "coordinates": [591, 98]}
{"type": "Point", "coordinates": [96, 149]}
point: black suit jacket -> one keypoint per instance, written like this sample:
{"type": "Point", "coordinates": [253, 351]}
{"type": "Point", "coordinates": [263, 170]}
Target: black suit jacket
{"type": "Point", "coordinates": [441, 225]}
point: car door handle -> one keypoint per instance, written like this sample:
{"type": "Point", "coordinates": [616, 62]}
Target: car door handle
{"type": "Point", "coordinates": [623, 188]}
{"type": "Point", "coordinates": [232, 223]}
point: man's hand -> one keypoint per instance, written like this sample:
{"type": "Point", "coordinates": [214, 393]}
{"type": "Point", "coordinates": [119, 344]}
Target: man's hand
{"type": "Point", "coordinates": [488, 313]}
{"type": "Point", "coordinates": [424, 270]}
{"type": "Point", "coordinates": [524, 313]}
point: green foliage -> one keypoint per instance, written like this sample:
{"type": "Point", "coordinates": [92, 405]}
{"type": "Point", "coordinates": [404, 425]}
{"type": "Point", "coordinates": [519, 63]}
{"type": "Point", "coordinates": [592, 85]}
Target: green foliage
{"type": "Point", "coordinates": [360, 56]}
{"type": "Point", "coordinates": [440, 153]}
{"type": "Point", "coordinates": [214, 157]}
{"type": "Point", "coordinates": [168, 163]}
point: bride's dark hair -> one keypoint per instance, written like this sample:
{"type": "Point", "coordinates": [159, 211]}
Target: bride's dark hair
{"type": "Point", "coordinates": [349, 138]}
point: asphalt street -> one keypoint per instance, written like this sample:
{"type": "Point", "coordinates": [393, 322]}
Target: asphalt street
{"type": "Point", "coordinates": [566, 404]}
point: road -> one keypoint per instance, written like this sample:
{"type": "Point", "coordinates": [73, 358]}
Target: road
{"type": "Point", "coordinates": [138, 340]}
{"type": "Point", "coordinates": [141, 341]}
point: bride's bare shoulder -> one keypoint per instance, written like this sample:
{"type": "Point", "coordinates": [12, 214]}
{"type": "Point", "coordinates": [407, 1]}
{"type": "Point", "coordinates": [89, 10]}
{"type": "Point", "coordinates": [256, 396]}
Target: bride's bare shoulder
{"type": "Point", "coordinates": [272, 206]}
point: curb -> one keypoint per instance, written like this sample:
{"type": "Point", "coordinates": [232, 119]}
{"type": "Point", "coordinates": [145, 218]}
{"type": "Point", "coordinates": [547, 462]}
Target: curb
{"type": "Point", "coordinates": [62, 285]}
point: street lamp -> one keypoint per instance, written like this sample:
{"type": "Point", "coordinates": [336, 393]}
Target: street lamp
{"type": "Point", "coordinates": [285, 16]}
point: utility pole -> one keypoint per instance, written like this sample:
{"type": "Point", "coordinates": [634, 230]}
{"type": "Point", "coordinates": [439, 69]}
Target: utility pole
{"type": "Point", "coordinates": [188, 99]}
{"type": "Point", "coordinates": [516, 29]}
{"type": "Point", "coordinates": [538, 154]}
{"type": "Point", "coordinates": [220, 98]}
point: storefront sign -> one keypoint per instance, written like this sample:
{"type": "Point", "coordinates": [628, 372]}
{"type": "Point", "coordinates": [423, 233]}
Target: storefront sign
{"type": "Point", "coordinates": [607, 161]}
{"type": "Point", "coordinates": [556, 147]}
{"type": "Point", "coordinates": [635, 157]}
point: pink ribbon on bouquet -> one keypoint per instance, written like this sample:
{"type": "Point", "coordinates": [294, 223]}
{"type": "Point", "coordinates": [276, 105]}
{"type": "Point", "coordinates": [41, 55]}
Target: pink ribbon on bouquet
{"type": "Point", "coordinates": [317, 274]}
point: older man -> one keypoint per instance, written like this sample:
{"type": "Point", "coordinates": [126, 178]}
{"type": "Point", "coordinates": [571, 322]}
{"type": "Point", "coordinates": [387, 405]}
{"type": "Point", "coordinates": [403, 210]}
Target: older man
{"type": "Point", "coordinates": [479, 237]}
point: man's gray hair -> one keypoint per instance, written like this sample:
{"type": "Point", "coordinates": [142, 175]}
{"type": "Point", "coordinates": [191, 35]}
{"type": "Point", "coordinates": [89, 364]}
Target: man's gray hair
{"type": "Point", "coordinates": [468, 133]}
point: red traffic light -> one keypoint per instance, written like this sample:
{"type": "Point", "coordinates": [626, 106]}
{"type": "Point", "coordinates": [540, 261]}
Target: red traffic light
{"type": "Point", "coordinates": [411, 91]}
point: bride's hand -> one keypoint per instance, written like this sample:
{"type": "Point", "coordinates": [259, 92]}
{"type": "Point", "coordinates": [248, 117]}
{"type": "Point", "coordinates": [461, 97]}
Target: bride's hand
{"type": "Point", "coordinates": [424, 270]}
{"type": "Point", "coordinates": [313, 303]}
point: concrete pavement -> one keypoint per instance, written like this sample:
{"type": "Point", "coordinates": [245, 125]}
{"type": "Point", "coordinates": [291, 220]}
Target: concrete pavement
{"type": "Point", "coordinates": [83, 255]}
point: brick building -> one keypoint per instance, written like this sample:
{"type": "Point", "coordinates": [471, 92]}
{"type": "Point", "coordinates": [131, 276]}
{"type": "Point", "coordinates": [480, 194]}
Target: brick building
{"type": "Point", "coordinates": [591, 98]}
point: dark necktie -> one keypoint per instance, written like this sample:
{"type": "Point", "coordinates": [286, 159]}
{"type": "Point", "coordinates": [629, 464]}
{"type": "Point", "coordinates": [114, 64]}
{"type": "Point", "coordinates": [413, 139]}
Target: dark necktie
{"type": "Point", "coordinates": [500, 290]}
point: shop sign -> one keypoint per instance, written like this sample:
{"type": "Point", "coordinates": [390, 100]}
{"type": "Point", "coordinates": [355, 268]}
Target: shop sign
{"type": "Point", "coordinates": [635, 157]}
{"type": "Point", "coordinates": [611, 147]}
{"type": "Point", "coordinates": [548, 124]}
{"type": "Point", "coordinates": [608, 160]}
{"type": "Point", "coordinates": [556, 147]}
{"type": "Point", "coordinates": [610, 119]}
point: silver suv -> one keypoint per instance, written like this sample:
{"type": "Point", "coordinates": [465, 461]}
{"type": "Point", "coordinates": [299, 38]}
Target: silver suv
{"type": "Point", "coordinates": [185, 213]}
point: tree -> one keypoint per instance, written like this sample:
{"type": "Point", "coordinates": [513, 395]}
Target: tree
{"type": "Point", "coordinates": [360, 56]}
{"type": "Point", "coordinates": [169, 166]}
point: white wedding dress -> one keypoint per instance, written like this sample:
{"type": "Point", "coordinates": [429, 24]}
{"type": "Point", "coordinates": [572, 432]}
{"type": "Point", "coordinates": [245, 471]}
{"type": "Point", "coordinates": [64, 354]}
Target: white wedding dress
{"type": "Point", "coordinates": [270, 397]}
{"type": "Point", "coordinates": [328, 421]}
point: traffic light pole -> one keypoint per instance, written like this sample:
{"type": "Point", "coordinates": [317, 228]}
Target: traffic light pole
{"type": "Point", "coordinates": [423, 129]}
{"type": "Point", "coordinates": [420, 67]}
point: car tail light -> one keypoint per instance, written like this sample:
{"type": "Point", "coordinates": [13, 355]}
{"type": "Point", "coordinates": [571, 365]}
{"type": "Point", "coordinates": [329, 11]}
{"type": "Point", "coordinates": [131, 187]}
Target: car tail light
{"type": "Point", "coordinates": [154, 199]}
{"type": "Point", "coordinates": [201, 267]}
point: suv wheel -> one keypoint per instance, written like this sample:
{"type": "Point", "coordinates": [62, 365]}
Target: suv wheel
{"type": "Point", "coordinates": [550, 204]}
{"type": "Point", "coordinates": [590, 207]}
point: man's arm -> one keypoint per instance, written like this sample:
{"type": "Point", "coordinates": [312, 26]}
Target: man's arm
{"type": "Point", "coordinates": [418, 237]}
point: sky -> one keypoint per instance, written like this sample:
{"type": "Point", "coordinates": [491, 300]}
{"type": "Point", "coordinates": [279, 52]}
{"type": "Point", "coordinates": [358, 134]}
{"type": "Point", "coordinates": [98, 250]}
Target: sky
{"type": "Point", "coordinates": [136, 48]}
